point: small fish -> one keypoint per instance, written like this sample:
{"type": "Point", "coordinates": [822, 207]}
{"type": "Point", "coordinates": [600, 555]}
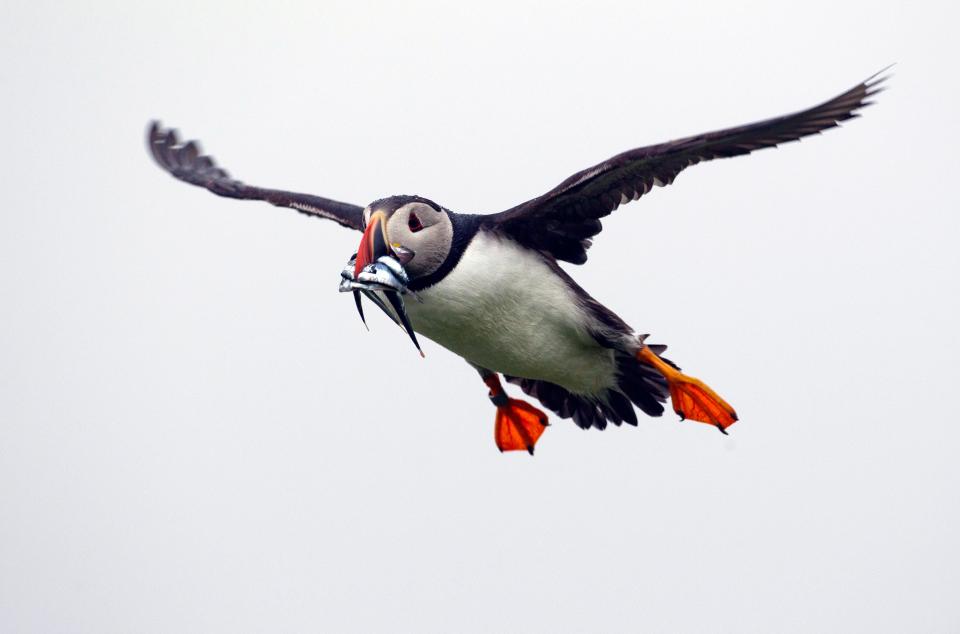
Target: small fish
{"type": "Point", "coordinates": [397, 302]}
{"type": "Point", "coordinates": [396, 268]}
{"type": "Point", "coordinates": [386, 273]}
{"type": "Point", "coordinates": [387, 277]}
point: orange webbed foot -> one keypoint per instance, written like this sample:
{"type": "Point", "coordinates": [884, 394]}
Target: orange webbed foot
{"type": "Point", "coordinates": [518, 426]}
{"type": "Point", "coordinates": [692, 398]}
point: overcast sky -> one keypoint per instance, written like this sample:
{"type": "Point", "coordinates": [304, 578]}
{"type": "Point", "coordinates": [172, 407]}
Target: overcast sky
{"type": "Point", "coordinates": [190, 439]}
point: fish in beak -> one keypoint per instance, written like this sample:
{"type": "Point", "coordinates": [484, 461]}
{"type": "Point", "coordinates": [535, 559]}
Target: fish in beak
{"type": "Point", "coordinates": [375, 255]}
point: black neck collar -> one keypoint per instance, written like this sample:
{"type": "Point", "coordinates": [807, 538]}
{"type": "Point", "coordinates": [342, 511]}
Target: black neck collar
{"type": "Point", "coordinates": [465, 226]}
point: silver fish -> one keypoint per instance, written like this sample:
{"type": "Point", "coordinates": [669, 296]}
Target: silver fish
{"type": "Point", "coordinates": [387, 277]}
{"type": "Point", "coordinates": [383, 276]}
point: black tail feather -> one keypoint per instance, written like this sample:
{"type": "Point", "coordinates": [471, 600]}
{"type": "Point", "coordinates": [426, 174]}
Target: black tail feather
{"type": "Point", "coordinates": [637, 385]}
{"type": "Point", "coordinates": [642, 384]}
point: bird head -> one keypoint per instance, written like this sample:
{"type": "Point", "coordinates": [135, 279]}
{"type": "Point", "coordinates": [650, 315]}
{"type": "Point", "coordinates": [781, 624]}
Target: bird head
{"type": "Point", "coordinates": [415, 231]}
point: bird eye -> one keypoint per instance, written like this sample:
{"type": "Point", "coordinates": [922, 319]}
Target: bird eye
{"type": "Point", "coordinates": [414, 223]}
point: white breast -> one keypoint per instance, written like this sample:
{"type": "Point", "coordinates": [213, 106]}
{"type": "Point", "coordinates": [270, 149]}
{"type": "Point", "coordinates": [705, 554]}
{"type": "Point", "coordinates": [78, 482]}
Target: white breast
{"type": "Point", "coordinates": [503, 308]}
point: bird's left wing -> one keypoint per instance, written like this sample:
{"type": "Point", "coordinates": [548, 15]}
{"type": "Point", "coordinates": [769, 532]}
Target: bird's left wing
{"type": "Point", "coordinates": [184, 161]}
{"type": "Point", "coordinates": [562, 221]}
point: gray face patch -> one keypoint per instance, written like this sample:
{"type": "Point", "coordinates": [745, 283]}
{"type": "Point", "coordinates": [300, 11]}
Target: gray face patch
{"type": "Point", "coordinates": [423, 231]}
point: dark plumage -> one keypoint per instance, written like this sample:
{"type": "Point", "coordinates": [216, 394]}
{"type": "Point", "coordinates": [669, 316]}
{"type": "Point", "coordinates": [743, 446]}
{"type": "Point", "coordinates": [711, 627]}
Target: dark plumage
{"type": "Point", "coordinates": [185, 162]}
{"type": "Point", "coordinates": [562, 221]}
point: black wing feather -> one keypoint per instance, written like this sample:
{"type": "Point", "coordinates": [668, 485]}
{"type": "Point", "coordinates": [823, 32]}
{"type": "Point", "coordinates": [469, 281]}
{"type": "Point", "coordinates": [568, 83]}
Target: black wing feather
{"type": "Point", "coordinates": [186, 162]}
{"type": "Point", "coordinates": [562, 221]}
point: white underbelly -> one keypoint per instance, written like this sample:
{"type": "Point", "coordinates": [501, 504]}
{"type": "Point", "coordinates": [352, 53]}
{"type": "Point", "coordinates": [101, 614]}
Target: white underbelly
{"type": "Point", "coordinates": [504, 309]}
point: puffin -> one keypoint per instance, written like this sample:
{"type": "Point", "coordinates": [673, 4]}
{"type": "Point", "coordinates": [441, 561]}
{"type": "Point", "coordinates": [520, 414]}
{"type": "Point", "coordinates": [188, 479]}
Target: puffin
{"type": "Point", "coordinates": [490, 288]}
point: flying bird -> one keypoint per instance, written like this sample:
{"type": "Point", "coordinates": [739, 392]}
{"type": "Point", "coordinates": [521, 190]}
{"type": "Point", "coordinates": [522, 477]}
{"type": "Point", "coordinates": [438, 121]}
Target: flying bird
{"type": "Point", "coordinates": [490, 289]}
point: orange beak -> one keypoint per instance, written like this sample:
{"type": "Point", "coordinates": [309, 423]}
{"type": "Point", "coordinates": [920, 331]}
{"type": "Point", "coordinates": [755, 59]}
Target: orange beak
{"type": "Point", "coordinates": [374, 243]}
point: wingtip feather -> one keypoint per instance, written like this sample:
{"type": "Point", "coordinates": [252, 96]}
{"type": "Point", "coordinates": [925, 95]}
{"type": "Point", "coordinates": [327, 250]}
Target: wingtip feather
{"type": "Point", "coordinates": [876, 78]}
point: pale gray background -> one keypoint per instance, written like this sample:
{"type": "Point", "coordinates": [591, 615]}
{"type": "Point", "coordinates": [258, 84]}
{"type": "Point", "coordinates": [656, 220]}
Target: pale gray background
{"type": "Point", "coordinates": [197, 434]}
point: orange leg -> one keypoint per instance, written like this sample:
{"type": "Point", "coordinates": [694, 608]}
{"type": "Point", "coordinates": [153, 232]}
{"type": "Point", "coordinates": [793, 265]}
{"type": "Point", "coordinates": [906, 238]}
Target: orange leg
{"type": "Point", "coordinates": [691, 397]}
{"type": "Point", "coordinates": [518, 424]}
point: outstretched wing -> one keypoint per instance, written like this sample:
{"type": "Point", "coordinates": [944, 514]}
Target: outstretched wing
{"type": "Point", "coordinates": [562, 221]}
{"type": "Point", "coordinates": [184, 161]}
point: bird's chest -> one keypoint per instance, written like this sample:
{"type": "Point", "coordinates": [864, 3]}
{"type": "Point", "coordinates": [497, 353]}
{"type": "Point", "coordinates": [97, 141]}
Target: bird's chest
{"type": "Point", "coordinates": [505, 309]}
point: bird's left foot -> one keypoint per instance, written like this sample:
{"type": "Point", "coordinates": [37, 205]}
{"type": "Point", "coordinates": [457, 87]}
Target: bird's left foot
{"type": "Point", "coordinates": [692, 398]}
{"type": "Point", "coordinates": [518, 425]}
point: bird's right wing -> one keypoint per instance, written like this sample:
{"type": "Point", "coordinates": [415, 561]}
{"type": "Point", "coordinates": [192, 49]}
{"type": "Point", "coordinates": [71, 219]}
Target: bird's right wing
{"type": "Point", "coordinates": [185, 162]}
